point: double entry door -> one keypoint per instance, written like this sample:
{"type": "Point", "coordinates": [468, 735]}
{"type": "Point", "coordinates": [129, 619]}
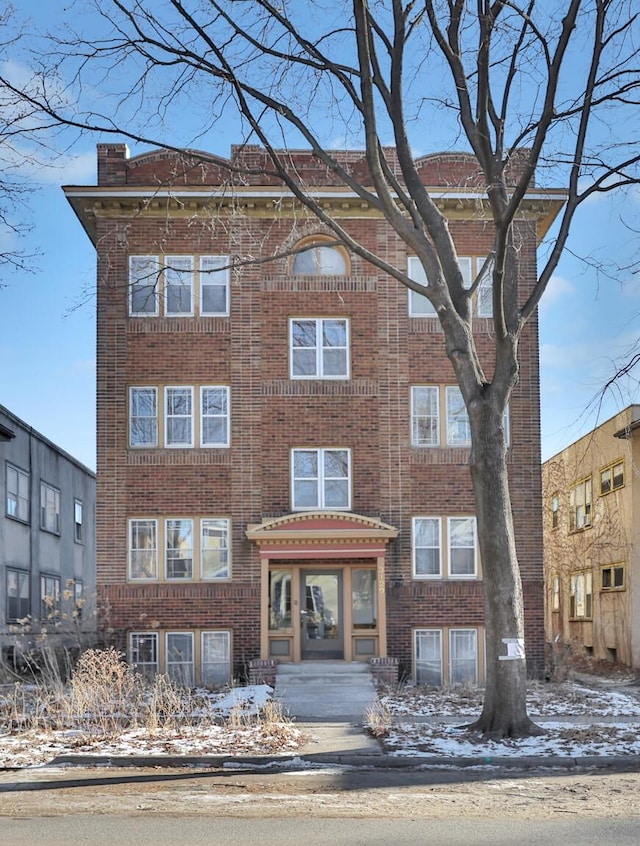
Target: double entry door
{"type": "Point", "coordinates": [321, 615]}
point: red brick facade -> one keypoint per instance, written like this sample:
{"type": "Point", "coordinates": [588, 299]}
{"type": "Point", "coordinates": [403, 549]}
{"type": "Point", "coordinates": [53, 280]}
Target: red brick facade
{"type": "Point", "coordinates": [158, 204]}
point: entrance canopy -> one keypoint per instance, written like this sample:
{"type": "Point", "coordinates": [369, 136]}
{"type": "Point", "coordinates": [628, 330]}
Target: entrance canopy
{"type": "Point", "coordinates": [321, 534]}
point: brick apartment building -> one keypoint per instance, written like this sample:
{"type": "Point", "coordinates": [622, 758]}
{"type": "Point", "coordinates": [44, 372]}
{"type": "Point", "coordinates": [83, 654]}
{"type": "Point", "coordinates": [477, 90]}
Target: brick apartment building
{"type": "Point", "coordinates": [282, 450]}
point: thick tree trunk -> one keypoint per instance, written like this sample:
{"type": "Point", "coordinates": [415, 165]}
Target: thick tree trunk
{"type": "Point", "coordinates": [504, 713]}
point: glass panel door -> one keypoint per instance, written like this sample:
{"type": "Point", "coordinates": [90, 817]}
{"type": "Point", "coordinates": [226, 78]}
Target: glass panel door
{"type": "Point", "coordinates": [322, 633]}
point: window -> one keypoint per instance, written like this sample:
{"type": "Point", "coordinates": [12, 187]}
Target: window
{"type": "Point", "coordinates": [419, 305]}
{"type": "Point", "coordinates": [214, 416]}
{"type": "Point", "coordinates": [216, 658]}
{"type": "Point", "coordinates": [178, 430]}
{"type": "Point", "coordinates": [428, 656]}
{"type": "Point", "coordinates": [180, 658]}
{"type": "Point", "coordinates": [18, 596]}
{"type": "Point", "coordinates": [178, 286]}
{"type": "Point", "coordinates": [179, 549]}
{"type": "Point", "coordinates": [445, 656]}
{"type": "Point", "coordinates": [172, 281]}
{"type": "Point", "coordinates": [320, 260]}
{"type": "Point", "coordinates": [555, 593]}
{"type": "Point", "coordinates": [612, 577]}
{"type": "Point", "coordinates": [78, 598]}
{"type": "Point", "coordinates": [425, 415]}
{"type": "Point", "coordinates": [143, 653]}
{"type": "Point", "coordinates": [17, 493]}
{"type": "Point", "coordinates": [554, 511]}
{"type": "Point", "coordinates": [214, 549]}
{"type": "Point", "coordinates": [49, 508]}
{"type": "Point", "coordinates": [143, 549]}
{"type": "Point", "coordinates": [214, 286]}
{"type": "Point", "coordinates": [462, 547]}
{"type": "Point", "coordinates": [612, 477]}
{"type": "Point", "coordinates": [78, 521]}
{"type": "Point", "coordinates": [458, 427]}
{"type": "Point", "coordinates": [426, 547]}
{"type": "Point", "coordinates": [463, 656]}
{"type": "Point", "coordinates": [484, 291]}
{"type": "Point", "coordinates": [143, 417]}
{"type": "Point", "coordinates": [50, 598]}
{"type": "Point", "coordinates": [319, 348]}
{"type": "Point", "coordinates": [321, 478]}
{"type": "Point", "coordinates": [581, 595]}
{"type": "Point", "coordinates": [580, 505]}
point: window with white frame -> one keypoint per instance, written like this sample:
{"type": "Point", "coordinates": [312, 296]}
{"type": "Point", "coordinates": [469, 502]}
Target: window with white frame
{"type": "Point", "coordinates": [425, 415]}
{"type": "Point", "coordinates": [143, 549]}
{"type": "Point", "coordinates": [143, 417]}
{"type": "Point", "coordinates": [180, 659]}
{"type": "Point", "coordinates": [50, 598]}
{"type": "Point", "coordinates": [319, 348]}
{"type": "Point", "coordinates": [214, 416]}
{"type": "Point", "coordinates": [484, 291]}
{"type": "Point", "coordinates": [18, 595]}
{"type": "Point", "coordinates": [144, 286]}
{"type": "Point", "coordinates": [428, 656]}
{"type": "Point", "coordinates": [580, 505]}
{"type": "Point", "coordinates": [555, 593]}
{"type": "Point", "coordinates": [143, 653]}
{"type": "Point", "coordinates": [178, 286]}
{"type": "Point", "coordinates": [419, 305]}
{"type": "Point", "coordinates": [321, 478]}
{"type": "Point", "coordinates": [49, 508]}
{"type": "Point", "coordinates": [426, 547]}
{"type": "Point", "coordinates": [178, 425]}
{"type": "Point", "coordinates": [581, 595]}
{"type": "Point", "coordinates": [178, 560]}
{"type": "Point", "coordinates": [463, 656]}
{"type": "Point", "coordinates": [17, 493]}
{"type": "Point", "coordinates": [216, 658]}
{"type": "Point", "coordinates": [458, 426]}
{"type": "Point", "coordinates": [318, 259]}
{"type": "Point", "coordinates": [214, 549]}
{"type": "Point", "coordinates": [78, 521]}
{"type": "Point", "coordinates": [462, 547]}
{"type": "Point", "coordinates": [174, 283]}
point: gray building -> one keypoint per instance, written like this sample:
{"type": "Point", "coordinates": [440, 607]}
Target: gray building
{"type": "Point", "coordinates": [47, 545]}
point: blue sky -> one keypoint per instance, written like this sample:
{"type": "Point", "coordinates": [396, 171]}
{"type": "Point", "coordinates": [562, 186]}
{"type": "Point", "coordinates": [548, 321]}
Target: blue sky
{"type": "Point", "coordinates": [588, 321]}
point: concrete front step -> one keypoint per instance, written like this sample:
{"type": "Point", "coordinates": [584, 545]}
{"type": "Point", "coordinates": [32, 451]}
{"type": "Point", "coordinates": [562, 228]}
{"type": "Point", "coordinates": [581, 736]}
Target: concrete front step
{"type": "Point", "coordinates": [324, 690]}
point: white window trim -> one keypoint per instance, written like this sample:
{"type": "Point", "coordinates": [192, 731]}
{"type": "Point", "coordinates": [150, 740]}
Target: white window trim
{"type": "Point", "coordinates": [414, 548]}
{"type": "Point", "coordinates": [154, 263]}
{"type": "Point", "coordinates": [319, 349]}
{"type": "Point", "coordinates": [179, 579]}
{"type": "Point", "coordinates": [210, 274]}
{"type": "Point", "coordinates": [321, 506]}
{"type": "Point", "coordinates": [466, 629]}
{"type": "Point", "coordinates": [201, 522]}
{"type": "Point", "coordinates": [78, 507]}
{"type": "Point", "coordinates": [464, 415]}
{"type": "Point", "coordinates": [21, 476]}
{"type": "Point", "coordinates": [227, 638]}
{"type": "Point", "coordinates": [130, 550]}
{"type": "Point", "coordinates": [191, 417]}
{"type": "Point", "coordinates": [172, 265]}
{"type": "Point", "coordinates": [436, 389]}
{"type": "Point", "coordinates": [45, 490]}
{"type": "Point", "coordinates": [168, 663]}
{"type": "Point", "coordinates": [149, 634]}
{"type": "Point", "coordinates": [227, 417]}
{"type": "Point", "coordinates": [415, 639]}
{"type": "Point", "coordinates": [462, 576]}
{"type": "Point", "coordinates": [485, 285]}
{"type": "Point", "coordinates": [132, 391]}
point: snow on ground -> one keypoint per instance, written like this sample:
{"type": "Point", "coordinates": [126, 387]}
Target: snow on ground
{"type": "Point", "coordinates": [578, 719]}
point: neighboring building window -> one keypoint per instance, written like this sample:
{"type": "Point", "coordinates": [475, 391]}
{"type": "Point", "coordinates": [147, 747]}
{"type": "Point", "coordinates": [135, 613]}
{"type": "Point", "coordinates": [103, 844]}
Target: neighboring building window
{"type": "Point", "coordinates": [612, 577]}
{"type": "Point", "coordinates": [321, 478]}
{"type": "Point", "coordinates": [320, 260]}
{"type": "Point", "coordinates": [612, 477]}
{"type": "Point", "coordinates": [178, 549]}
{"type": "Point", "coordinates": [428, 656]}
{"type": "Point", "coordinates": [433, 667]}
{"type": "Point", "coordinates": [143, 653]}
{"type": "Point", "coordinates": [180, 658]}
{"type": "Point", "coordinates": [463, 656]}
{"type": "Point", "coordinates": [214, 549]}
{"type": "Point", "coordinates": [458, 426]}
{"type": "Point", "coordinates": [581, 595]}
{"type": "Point", "coordinates": [216, 658]}
{"type": "Point", "coordinates": [78, 598]}
{"type": "Point", "coordinates": [555, 593]}
{"type": "Point", "coordinates": [144, 285]}
{"type": "Point", "coordinates": [426, 547]}
{"type": "Point", "coordinates": [78, 521]}
{"type": "Point", "coordinates": [50, 598]}
{"type": "Point", "coordinates": [178, 431]}
{"type": "Point", "coordinates": [143, 417]}
{"type": "Point", "coordinates": [214, 286]}
{"type": "Point", "coordinates": [214, 416]}
{"type": "Point", "coordinates": [18, 596]}
{"type": "Point", "coordinates": [462, 547]}
{"type": "Point", "coordinates": [319, 348]}
{"type": "Point", "coordinates": [17, 493]}
{"type": "Point", "coordinates": [178, 286]}
{"type": "Point", "coordinates": [484, 291]}
{"type": "Point", "coordinates": [425, 415]}
{"type": "Point", "coordinates": [49, 508]}
{"type": "Point", "coordinates": [554, 511]}
{"type": "Point", "coordinates": [143, 549]}
{"type": "Point", "coordinates": [580, 505]}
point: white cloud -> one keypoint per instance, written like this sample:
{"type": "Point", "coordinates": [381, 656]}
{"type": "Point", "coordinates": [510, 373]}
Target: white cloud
{"type": "Point", "coordinates": [557, 288]}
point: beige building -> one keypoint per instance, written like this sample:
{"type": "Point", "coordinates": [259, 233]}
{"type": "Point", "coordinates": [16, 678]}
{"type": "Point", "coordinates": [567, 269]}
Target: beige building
{"type": "Point", "coordinates": [592, 542]}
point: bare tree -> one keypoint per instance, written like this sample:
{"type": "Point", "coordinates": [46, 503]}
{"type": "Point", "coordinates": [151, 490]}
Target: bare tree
{"type": "Point", "coordinates": [528, 86]}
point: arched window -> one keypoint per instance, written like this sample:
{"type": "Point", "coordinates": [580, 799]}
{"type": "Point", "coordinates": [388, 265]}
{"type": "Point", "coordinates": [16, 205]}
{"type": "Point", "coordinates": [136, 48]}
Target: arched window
{"type": "Point", "coordinates": [319, 259]}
